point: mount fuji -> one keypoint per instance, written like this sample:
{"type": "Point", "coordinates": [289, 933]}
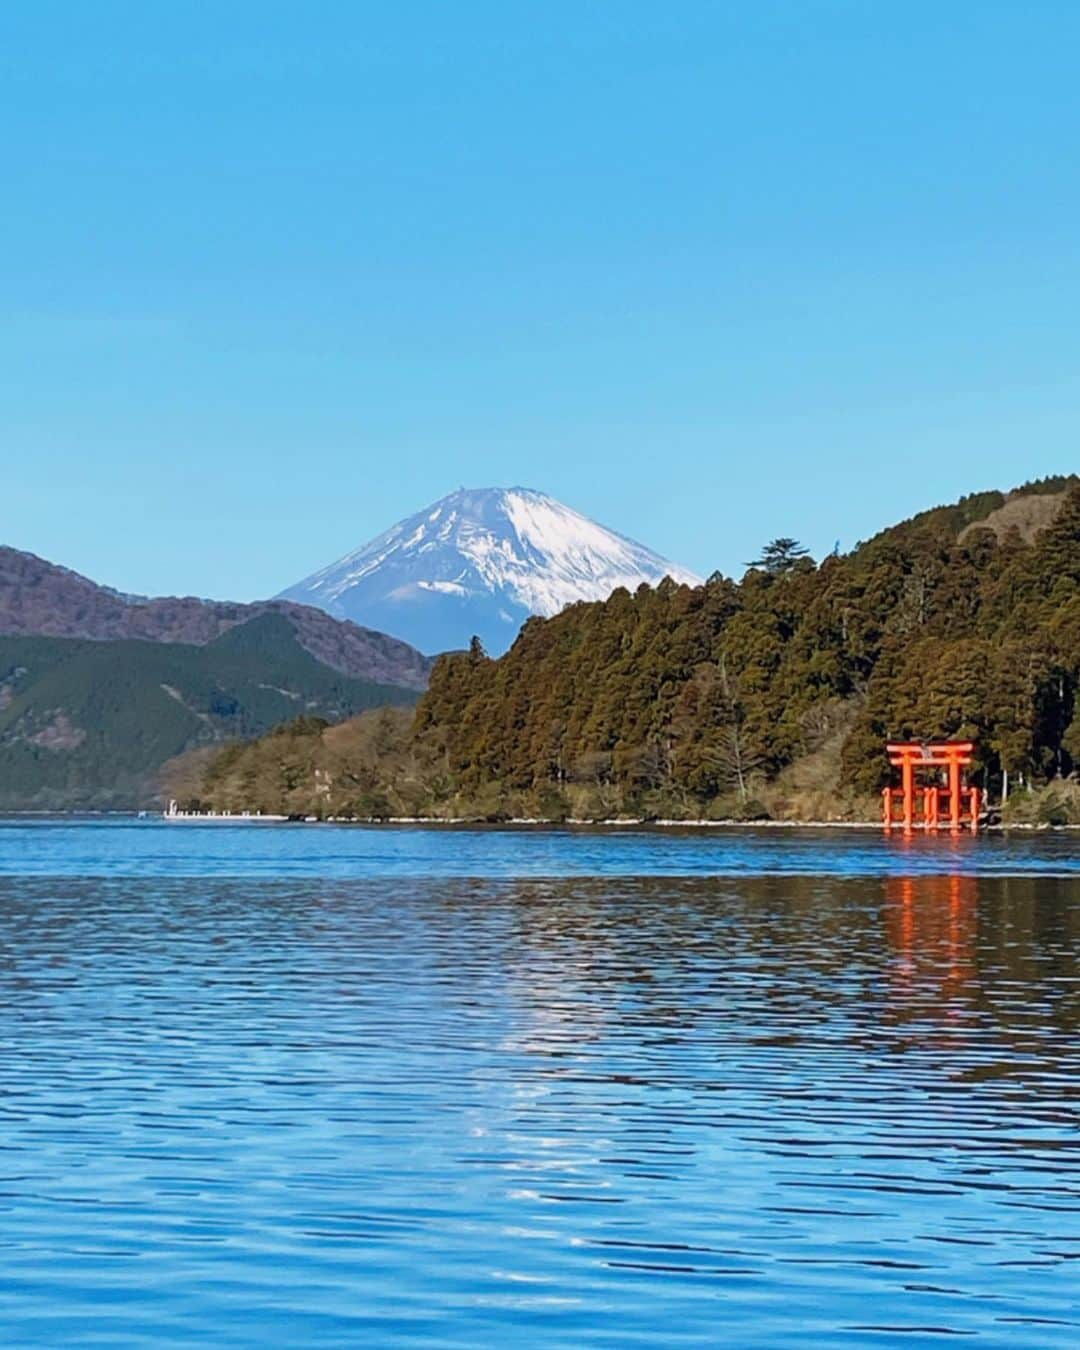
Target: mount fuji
{"type": "Point", "coordinates": [480, 561]}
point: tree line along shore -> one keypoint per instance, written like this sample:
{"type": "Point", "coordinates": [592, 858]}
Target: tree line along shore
{"type": "Point", "coordinates": [770, 697]}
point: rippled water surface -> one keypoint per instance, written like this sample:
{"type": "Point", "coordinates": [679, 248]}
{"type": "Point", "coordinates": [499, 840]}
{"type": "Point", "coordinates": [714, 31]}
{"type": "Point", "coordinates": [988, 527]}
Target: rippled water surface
{"type": "Point", "coordinates": [279, 1085]}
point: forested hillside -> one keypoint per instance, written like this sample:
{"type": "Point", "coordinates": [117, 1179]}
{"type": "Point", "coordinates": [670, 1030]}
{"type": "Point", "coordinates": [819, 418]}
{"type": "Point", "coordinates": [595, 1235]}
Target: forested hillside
{"type": "Point", "coordinates": [89, 724]}
{"type": "Point", "coordinates": [775, 693]}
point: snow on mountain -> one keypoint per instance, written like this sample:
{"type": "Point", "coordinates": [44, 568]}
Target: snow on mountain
{"type": "Point", "coordinates": [480, 561]}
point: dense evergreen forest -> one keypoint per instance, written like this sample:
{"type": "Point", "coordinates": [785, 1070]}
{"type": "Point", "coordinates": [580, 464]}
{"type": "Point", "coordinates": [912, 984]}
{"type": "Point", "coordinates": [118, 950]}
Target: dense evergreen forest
{"type": "Point", "coordinates": [772, 695]}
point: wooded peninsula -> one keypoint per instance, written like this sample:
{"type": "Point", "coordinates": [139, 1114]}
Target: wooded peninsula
{"type": "Point", "coordinates": [768, 697]}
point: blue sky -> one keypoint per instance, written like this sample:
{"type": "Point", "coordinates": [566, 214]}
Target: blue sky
{"type": "Point", "coordinates": [274, 275]}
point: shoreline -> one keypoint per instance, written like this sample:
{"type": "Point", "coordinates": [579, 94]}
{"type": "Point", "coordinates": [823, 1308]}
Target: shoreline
{"type": "Point", "coordinates": [514, 823]}
{"type": "Point", "coordinates": [614, 823]}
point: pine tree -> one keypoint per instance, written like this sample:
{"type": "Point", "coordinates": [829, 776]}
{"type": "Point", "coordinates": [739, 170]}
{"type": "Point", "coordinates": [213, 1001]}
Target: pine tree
{"type": "Point", "coordinates": [780, 556]}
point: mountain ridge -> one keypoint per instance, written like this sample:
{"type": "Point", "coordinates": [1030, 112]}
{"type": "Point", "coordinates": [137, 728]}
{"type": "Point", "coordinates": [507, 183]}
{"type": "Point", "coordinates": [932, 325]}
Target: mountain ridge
{"type": "Point", "coordinates": [39, 598]}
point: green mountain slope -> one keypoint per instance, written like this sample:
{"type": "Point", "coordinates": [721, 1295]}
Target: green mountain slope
{"type": "Point", "coordinates": [89, 723]}
{"type": "Point", "coordinates": [677, 696]}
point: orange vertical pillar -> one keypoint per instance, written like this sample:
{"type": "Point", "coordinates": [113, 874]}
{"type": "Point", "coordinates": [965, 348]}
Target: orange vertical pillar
{"type": "Point", "coordinates": [908, 781]}
{"type": "Point", "coordinates": [886, 807]}
{"type": "Point", "coordinates": [954, 793]}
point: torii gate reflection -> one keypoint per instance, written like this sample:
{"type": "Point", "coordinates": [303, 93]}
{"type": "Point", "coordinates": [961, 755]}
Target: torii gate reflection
{"type": "Point", "coordinates": [931, 925]}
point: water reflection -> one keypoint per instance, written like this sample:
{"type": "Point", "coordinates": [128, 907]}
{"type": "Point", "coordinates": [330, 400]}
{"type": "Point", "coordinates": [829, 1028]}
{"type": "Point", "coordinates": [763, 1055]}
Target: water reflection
{"type": "Point", "coordinates": [931, 925]}
{"type": "Point", "coordinates": [744, 1110]}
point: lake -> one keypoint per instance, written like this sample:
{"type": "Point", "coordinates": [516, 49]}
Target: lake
{"type": "Point", "coordinates": [314, 1085]}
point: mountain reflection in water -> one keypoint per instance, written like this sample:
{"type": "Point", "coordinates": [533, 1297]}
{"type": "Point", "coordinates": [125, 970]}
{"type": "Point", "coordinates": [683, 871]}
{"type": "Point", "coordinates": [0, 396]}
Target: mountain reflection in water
{"type": "Point", "coordinates": [742, 1110]}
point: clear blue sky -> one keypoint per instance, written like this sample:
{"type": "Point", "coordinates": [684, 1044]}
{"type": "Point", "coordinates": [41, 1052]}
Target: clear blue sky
{"type": "Point", "coordinates": [276, 274]}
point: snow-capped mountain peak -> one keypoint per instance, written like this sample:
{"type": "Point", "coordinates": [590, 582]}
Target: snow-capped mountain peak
{"type": "Point", "coordinates": [481, 561]}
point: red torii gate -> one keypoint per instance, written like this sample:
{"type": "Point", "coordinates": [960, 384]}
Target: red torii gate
{"type": "Point", "coordinates": [947, 802]}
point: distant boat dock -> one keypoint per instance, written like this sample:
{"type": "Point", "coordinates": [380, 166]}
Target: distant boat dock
{"type": "Point", "coordinates": [174, 814]}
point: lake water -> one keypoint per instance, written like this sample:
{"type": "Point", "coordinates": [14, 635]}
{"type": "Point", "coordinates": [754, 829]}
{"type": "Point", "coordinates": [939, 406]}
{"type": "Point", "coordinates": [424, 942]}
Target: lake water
{"type": "Point", "coordinates": [341, 1086]}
